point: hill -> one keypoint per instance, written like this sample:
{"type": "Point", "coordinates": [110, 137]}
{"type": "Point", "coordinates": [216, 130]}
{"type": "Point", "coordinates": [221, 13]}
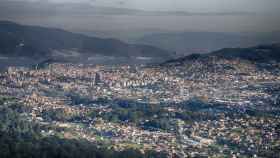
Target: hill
{"type": "Point", "coordinates": [257, 54]}
{"type": "Point", "coordinates": [39, 42]}
{"type": "Point", "coordinates": [262, 53]}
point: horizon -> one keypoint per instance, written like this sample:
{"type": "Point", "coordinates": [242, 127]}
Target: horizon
{"type": "Point", "coordinates": [128, 15]}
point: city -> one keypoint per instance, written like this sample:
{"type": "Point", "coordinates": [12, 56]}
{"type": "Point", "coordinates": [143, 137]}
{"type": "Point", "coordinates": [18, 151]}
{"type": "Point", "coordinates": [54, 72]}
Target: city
{"type": "Point", "coordinates": [204, 107]}
{"type": "Point", "coordinates": [139, 79]}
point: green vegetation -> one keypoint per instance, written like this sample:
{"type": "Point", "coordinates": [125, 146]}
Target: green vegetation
{"type": "Point", "coordinates": [21, 138]}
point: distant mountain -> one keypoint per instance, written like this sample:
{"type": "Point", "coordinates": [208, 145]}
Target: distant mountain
{"type": "Point", "coordinates": [257, 54]}
{"type": "Point", "coordinates": [39, 42]}
{"type": "Point", "coordinates": [185, 43]}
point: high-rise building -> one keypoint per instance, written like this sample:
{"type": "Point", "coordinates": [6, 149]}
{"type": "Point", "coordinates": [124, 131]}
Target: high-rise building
{"type": "Point", "coordinates": [97, 79]}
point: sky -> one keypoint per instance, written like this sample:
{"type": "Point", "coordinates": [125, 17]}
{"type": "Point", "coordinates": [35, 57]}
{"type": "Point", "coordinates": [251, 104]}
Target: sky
{"type": "Point", "coordinates": [185, 5]}
{"type": "Point", "coordinates": [89, 15]}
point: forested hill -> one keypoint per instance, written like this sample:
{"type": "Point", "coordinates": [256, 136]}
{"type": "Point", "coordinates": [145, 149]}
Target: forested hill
{"type": "Point", "coordinates": [38, 42]}
{"type": "Point", "coordinates": [257, 54]}
{"type": "Point", "coordinates": [262, 53]}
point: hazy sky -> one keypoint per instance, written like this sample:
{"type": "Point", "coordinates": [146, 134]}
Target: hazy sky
{"type": "Point", "coordinates": [187, 5]}
{"type": "Point", "coordinates": [88, 15]}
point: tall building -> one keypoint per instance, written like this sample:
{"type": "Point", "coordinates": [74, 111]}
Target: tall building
{"type": "Point", "coordinates": [97, 79]}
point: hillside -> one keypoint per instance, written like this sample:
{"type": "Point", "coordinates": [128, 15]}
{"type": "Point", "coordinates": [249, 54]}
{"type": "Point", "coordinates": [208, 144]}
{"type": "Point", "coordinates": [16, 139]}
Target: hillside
{"type": "Point", "coordinates": [257, 54]}
{"type": "Point", "coordinates": [262, 53]}
{"type": "Point", "coordinates": [39, 42]}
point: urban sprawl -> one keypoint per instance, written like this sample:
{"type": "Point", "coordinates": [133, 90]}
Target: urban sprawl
{"type": "Point", "coordinates": [209, 107]}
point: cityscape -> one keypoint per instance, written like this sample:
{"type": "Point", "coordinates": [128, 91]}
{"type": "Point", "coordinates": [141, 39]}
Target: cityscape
{"type": "Point", "coordinates": [139, 79]}
{"type": "Point", "coordinates": [202, 107]}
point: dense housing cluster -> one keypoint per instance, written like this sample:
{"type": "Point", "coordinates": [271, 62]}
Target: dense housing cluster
{"type": "Point", "coordinates": [212, 106]}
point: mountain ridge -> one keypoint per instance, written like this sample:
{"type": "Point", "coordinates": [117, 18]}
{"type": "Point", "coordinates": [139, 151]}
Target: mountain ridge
{"type": "Point", "coordinates": [37, 42]}
{"type": "Point", "coordinates": [257, 54]}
